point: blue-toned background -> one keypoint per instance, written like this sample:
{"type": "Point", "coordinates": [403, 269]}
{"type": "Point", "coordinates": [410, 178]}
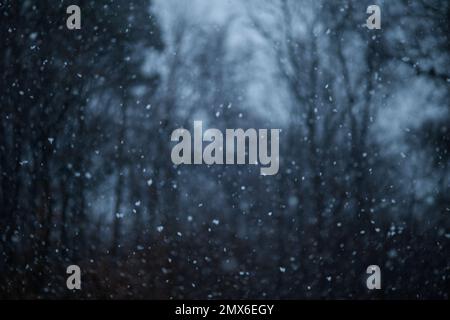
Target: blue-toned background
{"type": "Point", "coordinates": [86, 176]}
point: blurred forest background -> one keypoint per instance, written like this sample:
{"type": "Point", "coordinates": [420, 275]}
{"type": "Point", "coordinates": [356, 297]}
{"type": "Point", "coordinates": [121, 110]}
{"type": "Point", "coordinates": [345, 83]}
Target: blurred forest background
{"type": "Point", "coordinates": [86, 176]}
